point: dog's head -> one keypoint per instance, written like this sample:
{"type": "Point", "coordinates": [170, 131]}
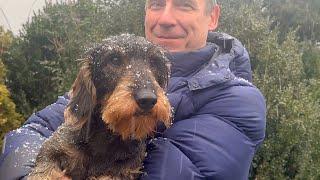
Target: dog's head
{"type": "Point", "coordinates": [125, 76]}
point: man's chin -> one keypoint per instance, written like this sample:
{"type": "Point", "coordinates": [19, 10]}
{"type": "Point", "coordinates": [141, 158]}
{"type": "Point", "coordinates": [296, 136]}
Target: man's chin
{"type": "Point", "coordinates": [173, 45]}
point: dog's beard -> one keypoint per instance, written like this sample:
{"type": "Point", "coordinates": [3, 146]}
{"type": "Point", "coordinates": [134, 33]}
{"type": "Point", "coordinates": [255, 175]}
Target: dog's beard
{"type": "Point", "coordinates": [123, 116]}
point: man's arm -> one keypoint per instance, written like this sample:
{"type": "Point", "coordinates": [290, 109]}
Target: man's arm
{"type": "Point", "coordinates": [21, 146]}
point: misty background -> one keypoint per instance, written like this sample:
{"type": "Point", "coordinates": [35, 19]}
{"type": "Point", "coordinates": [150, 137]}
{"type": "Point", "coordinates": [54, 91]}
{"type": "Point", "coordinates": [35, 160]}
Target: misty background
{"type": "Point", "coordinates": [13, 13]}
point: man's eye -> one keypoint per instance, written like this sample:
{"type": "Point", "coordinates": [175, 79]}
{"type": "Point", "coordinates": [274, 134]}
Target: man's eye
{"type": "Point", "coordinates": [186, 7]}
{"type": "Point", "coordinates": [155, 5]}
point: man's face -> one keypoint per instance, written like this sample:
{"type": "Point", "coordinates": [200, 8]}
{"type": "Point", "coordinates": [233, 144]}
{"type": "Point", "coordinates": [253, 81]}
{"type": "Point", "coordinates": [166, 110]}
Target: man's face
{"type": "Point", "coordinates": [179, 25]}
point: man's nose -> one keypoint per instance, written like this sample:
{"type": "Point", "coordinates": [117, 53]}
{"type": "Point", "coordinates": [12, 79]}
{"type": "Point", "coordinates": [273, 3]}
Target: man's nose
{"type": "Point", "coordinates": [167, 18]}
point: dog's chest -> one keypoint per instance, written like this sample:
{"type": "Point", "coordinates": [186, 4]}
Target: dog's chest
{"type": "Point", "coordinates": [106, 154]}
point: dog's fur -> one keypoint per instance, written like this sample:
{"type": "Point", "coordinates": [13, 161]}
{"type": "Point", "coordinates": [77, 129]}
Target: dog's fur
{"type": "Point", "coordinates": [106, 122]}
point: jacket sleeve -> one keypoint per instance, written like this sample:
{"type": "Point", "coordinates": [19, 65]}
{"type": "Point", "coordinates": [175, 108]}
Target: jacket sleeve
{"type": "Point", "coordinates": [22, 145]}
{"type": "Point", "coordinates": [217, 142]}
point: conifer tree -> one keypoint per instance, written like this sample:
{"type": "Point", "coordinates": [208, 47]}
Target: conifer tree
{"type": "Point", "coordinates": [9, 119]}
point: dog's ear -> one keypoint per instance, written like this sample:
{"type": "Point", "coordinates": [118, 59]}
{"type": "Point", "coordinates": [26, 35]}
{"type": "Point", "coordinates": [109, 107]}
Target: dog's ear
{"type": "Point", "coordinates": [83, 96]}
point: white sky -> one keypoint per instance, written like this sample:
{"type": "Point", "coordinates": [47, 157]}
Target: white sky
{"type": "Point", "coordinates": [17, 11]}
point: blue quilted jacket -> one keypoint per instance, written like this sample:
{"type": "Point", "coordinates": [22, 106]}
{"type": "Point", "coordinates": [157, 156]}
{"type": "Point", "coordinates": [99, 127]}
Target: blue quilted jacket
{"type": "Point", "coordinates": [219, 120]}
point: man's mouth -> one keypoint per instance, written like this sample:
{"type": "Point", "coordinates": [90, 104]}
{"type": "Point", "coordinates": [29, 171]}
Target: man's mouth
{"type": "Point", "coordinates": [168, 36]}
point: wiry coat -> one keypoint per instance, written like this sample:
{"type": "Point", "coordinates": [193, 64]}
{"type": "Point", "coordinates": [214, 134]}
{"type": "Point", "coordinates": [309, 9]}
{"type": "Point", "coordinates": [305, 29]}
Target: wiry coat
{"type": "Point", "coordinates": [114, 106]}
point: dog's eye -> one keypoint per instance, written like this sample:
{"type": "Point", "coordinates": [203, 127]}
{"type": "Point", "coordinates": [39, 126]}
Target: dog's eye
{"type": "Point", "coordinates": [115, 59]}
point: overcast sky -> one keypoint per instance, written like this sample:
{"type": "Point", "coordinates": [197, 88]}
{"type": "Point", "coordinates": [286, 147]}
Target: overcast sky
{"type": "Point", "coordinates": [13, 13]}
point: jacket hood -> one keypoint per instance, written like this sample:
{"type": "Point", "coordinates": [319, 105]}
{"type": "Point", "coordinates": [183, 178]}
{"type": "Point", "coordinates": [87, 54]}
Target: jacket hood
{"type": "Point", "coordinates": [229, 61]}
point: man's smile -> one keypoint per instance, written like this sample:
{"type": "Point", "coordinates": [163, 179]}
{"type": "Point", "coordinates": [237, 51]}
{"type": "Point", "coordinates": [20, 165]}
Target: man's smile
{"type": "Point", "coordinates": [168, 36]}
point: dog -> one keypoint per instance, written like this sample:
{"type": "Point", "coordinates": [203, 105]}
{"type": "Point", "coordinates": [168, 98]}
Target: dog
{"type": "Point", "coordinates": [116, 102]}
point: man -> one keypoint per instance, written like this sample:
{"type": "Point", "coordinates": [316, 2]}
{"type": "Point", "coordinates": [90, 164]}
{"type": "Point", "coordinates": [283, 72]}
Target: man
{"type": "Point", "coordinates": [219, 116]}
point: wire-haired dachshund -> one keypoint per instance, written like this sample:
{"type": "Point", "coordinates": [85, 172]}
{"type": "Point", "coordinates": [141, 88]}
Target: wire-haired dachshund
{"type": "Point", "coordinates": [116, 102]}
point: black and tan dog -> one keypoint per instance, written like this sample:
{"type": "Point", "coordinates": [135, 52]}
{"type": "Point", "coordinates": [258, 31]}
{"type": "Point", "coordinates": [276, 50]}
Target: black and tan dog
{"type": "Point", "coordinates": [116, 101]}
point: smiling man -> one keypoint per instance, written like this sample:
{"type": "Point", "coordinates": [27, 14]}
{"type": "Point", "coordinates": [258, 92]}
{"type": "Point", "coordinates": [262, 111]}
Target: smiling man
{"type": "Point", "coordinates": [219, 116]}
{"type": "Point", "coordinates": [180, 25]}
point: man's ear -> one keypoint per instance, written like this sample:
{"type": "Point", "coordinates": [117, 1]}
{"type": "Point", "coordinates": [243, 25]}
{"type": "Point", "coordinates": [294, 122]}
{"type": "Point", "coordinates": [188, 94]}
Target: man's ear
{"type": "Point", "coordinates": [215, 14]}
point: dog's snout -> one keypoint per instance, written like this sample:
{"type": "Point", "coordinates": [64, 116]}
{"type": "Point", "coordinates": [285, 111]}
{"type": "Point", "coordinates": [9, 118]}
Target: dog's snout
{"type": "Point", "coordinates": [146, 99]}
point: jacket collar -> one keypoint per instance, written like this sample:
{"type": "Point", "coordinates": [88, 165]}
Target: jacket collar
{"type": "Point", "coordinates": [203, 70]}
{"type": "Point", "coordinates": [186, 64]}
{"type": "Point", "coordinates": [217, 71]}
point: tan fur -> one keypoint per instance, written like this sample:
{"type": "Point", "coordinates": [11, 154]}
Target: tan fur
{"type": "Point", "coordinates": [119, 113]}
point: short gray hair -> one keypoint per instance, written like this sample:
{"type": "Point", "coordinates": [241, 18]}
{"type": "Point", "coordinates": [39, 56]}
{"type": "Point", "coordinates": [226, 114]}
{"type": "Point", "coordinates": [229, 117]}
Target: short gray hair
{"type": "Point", "coordinates": [209, 6]}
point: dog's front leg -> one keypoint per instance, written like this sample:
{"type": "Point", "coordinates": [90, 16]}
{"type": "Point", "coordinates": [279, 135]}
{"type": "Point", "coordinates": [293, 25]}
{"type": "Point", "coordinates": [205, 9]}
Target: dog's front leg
{"type": "Point", "coordinates": [47, 171]}
{"type": "Point", "coordinates": [49, 163]}
{"type": "Point", "coordinates": [105, 178]}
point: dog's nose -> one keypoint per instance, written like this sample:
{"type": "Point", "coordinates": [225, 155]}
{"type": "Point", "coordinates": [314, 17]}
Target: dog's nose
{"type": "Point", "coordinates": [146, 99]}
